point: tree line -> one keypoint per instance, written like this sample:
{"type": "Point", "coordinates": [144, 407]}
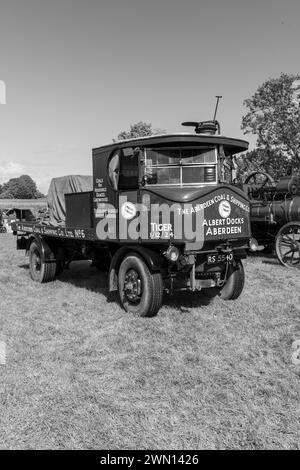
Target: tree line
{"type": "Point", "coordinates": [20, 188]}
{"type": "Point", "coordinates": [273, 116]}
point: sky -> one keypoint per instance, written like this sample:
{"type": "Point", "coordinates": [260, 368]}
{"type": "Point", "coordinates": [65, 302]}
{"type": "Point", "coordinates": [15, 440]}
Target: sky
{"type": "Point", "coordinates": [78, 72]}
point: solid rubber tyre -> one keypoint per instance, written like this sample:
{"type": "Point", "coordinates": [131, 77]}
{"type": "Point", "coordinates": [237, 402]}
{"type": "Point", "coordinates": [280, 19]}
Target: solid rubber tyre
{"type": "Point", "coordinates": [235, 282]}
{"type": "Point", "coordinates": [233, 286]}
{"type": "Point", "coordinates": [39, 270]}
{"type": "Point", "coordinates": [151, 284]}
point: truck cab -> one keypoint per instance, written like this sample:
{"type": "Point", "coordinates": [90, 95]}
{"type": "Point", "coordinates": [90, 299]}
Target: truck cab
{"type": "Point", "coordinates": [174, 195]}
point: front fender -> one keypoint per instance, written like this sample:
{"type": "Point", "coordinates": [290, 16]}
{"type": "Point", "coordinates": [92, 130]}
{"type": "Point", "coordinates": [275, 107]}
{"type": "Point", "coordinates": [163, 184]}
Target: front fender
{"type": "Point", "coordinates": [46, 251]}
{"type": "Point", "coordinates": [154, 260]}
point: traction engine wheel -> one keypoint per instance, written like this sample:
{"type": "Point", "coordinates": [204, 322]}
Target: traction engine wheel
{"type": "Point", "coordinates": [234, 283]}
{"type": "Point", "coordinates": [39, 270]}
{"type": "Point", "coordinates": [287, 245]}
{"type": "Point", "coordinates": [259, 178]}
{"type": "Point", "coordinates": [256, 182]}
{"type": "Point", "coordinates": [141, 292]}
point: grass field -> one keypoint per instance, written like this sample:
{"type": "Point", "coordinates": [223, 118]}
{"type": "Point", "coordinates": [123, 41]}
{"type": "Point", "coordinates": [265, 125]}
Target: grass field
{"type": "Point", "coordinates": [80, 373]}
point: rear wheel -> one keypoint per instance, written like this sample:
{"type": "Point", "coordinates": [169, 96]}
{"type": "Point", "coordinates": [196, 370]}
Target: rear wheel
{"type": "Point", "coordinates": [39, 270]}
{"type": "Point", "coordinates": [141, 292]}
{"type": "Point", "coordinates": [287, 245]}
{"type": "Point", "coordinates": [234, 283]}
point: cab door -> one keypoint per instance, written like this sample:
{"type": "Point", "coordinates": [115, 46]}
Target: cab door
{"type": "Point", "coordinates": [128, 195]}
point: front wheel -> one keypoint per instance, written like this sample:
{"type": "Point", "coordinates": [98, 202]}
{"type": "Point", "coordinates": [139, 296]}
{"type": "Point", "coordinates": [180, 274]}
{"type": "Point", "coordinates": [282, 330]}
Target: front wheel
{"type": "Point", "coordinates": [140, 291]}
{"type": "Point", "coordinates": [234, 284]}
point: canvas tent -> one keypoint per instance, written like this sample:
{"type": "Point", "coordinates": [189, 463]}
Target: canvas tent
{"type": "Point", "coordinates": [22, 206]}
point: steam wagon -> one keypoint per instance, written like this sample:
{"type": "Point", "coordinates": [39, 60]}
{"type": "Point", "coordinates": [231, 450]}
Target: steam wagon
{"type": "Point", "coordinates": [160, 214]}
{"type": "Point", "coordinates": [275, 214]}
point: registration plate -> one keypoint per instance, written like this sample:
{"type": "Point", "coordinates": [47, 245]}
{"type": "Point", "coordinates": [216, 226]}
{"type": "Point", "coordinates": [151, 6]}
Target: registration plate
{"type": "Point", "coordinates": [220, 258]}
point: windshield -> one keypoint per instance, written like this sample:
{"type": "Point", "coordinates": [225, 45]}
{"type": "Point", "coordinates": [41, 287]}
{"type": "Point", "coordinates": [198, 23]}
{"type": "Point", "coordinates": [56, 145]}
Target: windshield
{"type": "Point", "coordinates": [180, 166]}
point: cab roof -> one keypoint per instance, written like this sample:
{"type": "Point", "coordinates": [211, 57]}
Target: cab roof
{"type": "Point", "coordinates": [231, 145]}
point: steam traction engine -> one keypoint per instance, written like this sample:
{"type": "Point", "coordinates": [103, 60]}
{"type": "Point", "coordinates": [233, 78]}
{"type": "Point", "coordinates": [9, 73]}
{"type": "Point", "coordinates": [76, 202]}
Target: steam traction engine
{"type": "Point", "coordinates": [275, 214]}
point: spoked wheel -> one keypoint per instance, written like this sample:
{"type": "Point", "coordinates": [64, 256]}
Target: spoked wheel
{"type": "Point", "coordinates": [39, 270]}
{"type": "Point", "coordinates": [141, 292]}
{"type": "Point", "coordinates": [260, 179]}
{"type": "Point", "coordinates": [257, 182]}
{"type": "Point", "coordinates": [287, 245]}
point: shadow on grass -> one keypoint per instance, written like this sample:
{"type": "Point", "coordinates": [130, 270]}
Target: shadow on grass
{"type": "Point", "coordinates": [273, 262]}
{"type": "Point", "coordinates": [80, 274]}
{"type": "Point", "coordinates": [266, 258]}
{"type": "Point", "coordinates": [24, 266]}
{"type": "Point", "coordinates": [184, 301]}
{"type": "Point", "coordinates": [261, 254]}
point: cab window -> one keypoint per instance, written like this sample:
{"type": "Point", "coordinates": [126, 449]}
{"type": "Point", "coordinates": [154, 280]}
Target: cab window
{"type": "Point", "coordinates": [123, 169]}
{"type": "Point", "coordinates": [180, 166]}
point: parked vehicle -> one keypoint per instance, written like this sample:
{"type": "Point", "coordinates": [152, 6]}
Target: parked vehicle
{"type": "Point", "coordinates": [275, 214]}
{"type": "Point", "coordinates": [162, 214]}
{"type": "Point", "coordinates": [2, 227]}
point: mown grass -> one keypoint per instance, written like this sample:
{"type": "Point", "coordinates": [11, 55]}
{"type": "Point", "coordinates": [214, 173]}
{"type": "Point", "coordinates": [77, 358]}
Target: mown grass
{"type": "Point", "coordinates": [82, 374]}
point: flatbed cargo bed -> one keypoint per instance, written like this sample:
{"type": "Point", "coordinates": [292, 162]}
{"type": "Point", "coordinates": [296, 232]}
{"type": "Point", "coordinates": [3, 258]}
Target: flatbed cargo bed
{"type": "Point", "coordinates": [74, 233]}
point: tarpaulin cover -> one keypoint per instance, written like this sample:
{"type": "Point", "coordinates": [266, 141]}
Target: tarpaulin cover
{"type": "Point", "coordinates": [56, 195]}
